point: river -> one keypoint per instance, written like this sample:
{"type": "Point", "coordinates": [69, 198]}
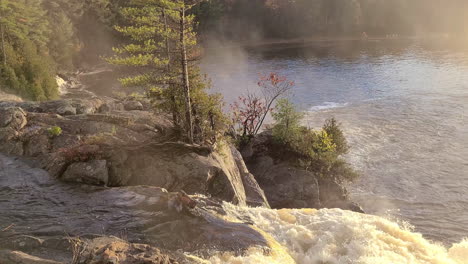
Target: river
{"type": "Point", "coordinates": [403, 108]}
{"type": "Point", "coordinates": [403, 105]}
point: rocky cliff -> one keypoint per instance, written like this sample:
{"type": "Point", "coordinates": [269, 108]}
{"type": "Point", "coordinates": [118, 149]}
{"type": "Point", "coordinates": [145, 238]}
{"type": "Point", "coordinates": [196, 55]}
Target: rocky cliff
{"type": "Point", "coordinates": [288, 186]}
{"type": "Point", "coordinates": [96, 179]}
{"type": "Point", "coordinates": [44, 221]}
{"type": "Point", "coordinates": [110, 142]}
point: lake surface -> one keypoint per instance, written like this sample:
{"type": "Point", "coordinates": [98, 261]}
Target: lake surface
{"type": "Point", "coordinates": [403, 105]}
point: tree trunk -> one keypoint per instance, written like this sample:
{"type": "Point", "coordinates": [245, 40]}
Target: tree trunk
{"type": "Point", "coordinates": [168, 55]}
{"type": "Point", "coordinates": [185, 77]}
{"type": "Point", "coordinates": [3, 45]}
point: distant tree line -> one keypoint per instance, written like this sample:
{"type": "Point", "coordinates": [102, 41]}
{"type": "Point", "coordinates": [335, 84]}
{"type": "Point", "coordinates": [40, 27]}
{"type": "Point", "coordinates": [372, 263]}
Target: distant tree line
{"type": "Point", "coordinates": [243, 19]}
{"type": "Point", "coordinates": [41, 38]}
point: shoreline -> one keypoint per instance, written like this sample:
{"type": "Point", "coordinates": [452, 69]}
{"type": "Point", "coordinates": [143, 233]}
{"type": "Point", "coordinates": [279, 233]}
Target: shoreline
{"type": "Point", "coordinates": [324, 39]}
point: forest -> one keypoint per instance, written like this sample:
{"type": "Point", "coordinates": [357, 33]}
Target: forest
{"type": "Point", "coordinates": [43, 38]}
{"type": "Point", "coordinates": [244, 19]}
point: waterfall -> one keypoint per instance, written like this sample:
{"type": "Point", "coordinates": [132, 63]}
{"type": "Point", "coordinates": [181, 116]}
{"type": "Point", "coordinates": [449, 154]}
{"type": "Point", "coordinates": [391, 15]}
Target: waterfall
{"type": "Point", "coordinates": [308, 236]}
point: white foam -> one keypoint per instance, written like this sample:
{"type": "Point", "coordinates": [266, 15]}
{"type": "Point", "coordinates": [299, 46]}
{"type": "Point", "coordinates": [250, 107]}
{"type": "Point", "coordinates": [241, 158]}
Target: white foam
{"type": "Point", "coordinates": [327, 105]}
{"type": "Point", "coordinates": [342, 237]}
{"type": "Point", "coordinates": [62, 85]}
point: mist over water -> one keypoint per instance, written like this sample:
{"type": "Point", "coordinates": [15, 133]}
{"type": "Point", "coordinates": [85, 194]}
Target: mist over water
{"type": "Point", "coordinates": [403, 105]}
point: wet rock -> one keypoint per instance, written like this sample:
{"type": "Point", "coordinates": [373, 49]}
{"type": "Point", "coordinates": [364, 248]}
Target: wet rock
{"type": "Point", "coordinates": [335, 195]}
{"type": "Point", "coordinates": [21, 242]}
{"type": "Point", "coordinates": [178, 166]}
{"type": "Point", "coordinates": [174, 166]}
{"type": "Point", "coordinates": [111, 250]}
{"type": "Point", "coordinates": [57, 243]}
{"type": "Point", "coordinates": [254, 194]}
{"type": "Point", "coordinates": [149, 216]}
{"type": "Point", "coordinates": [122, 137]}
{"type": "Point", "coordinates": [92, 172]}
{"type": "Point", "coordinates": [287, 186]}
{"type": "Point", "coordinates": [18, 257]}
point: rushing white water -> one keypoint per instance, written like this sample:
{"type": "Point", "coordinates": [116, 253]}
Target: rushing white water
{"type": "Point", "coordinates": [339, 237]}
{"type": "Point", "coordinates": [404, 110]}
{"type": "Point", "coordinates": [62, 85]}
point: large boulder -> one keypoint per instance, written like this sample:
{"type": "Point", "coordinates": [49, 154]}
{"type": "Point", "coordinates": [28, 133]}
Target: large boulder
{"type": "Point", "coordinates": [12, 120]}
{"type": "Point", "coordinates": [13, 117]}
{"type": "Point", "coordinates": [91, 172]}
{"type": "Point", "coordinates": [193, 169]}
{"type": "Point", "coordinates": [121, 148]}
{"type": "Point", "coordinates": [61, 107]}
{"type": "Point", "coordinates": [288, 186]}
{"type": "Point", "coordinates": [83, 222]}
{"type": "Point", "coordinates": [133, 105]}
{"type": "Point", "coordinates": [254, 194]}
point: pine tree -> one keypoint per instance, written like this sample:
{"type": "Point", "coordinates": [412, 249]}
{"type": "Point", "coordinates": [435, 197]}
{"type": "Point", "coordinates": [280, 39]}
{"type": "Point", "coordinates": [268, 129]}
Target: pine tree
{"type": "Point", "coordinates": [62, 40]}
{"type": "Point", "coordinates": [24, 31]}
{"type": "Point", "coordinates": [24, 19]}
{"type": "Point", "coordinates": [162, 45]}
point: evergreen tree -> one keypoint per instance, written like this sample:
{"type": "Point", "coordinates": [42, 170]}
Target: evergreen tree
{"type": "Point", "coordinates": [24, 19]}
{"type": "Point", "coordinates": [162, 42]}
{"type": "Point", "coordinates": [24, 31]}
{"type": "Point", "coordinates": [62, 39]}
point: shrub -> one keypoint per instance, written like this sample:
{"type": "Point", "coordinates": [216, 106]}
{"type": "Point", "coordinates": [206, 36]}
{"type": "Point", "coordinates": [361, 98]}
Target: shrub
{"type": "Point", "coordinates": [332, 127]}
{"type": "Point", "coordinates": [250, 111]}
{"type": "Point", "coordinates": [55, 131]}
{"type": "Point", "coordinates": [318, 151]}
{"type": "Point", "coordinates": [247, 114]}
{"type": "Point", "coordinates": [287, 121]}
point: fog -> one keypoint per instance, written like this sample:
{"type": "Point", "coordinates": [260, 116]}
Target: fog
{"type": "Point", "coordinates": [251, 20]}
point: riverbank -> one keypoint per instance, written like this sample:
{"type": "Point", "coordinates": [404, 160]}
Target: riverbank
{"type": "Point", "coordinates": [402, 106]}
{"type": "Point", "coordinates": [100, 163]}
{"type": "Point", "coordinates": [306, 41]}
{"type": "Point", "coordinates": [119, 149]}
{"type": "Point", "coordinates": [134, 225]}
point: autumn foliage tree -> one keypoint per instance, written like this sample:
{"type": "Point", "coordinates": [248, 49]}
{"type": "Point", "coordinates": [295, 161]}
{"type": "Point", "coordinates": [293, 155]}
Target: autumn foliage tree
{"type": "Point", "coordinates": [247, 114]}
{"type": "Point", "coordinates": [250, 111]}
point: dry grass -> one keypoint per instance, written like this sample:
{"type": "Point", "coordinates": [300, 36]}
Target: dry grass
{"type": "Point", "coordinates": [78, 248]}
